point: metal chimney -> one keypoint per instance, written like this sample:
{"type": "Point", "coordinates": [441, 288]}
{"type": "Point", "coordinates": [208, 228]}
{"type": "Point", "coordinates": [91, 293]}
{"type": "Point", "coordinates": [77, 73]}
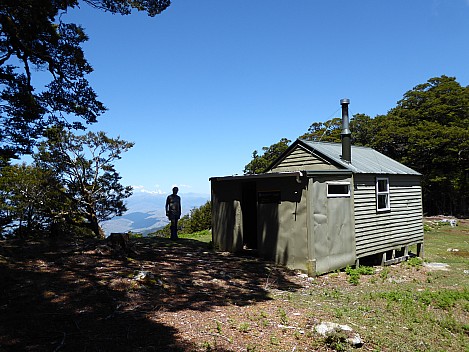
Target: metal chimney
{"type": "Point", "coordinates": [346, 135]}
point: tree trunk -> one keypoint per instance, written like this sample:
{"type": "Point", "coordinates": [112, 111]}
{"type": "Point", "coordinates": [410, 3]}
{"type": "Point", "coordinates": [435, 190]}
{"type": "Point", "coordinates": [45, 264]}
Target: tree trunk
{"type": "Point", "coordinates": [96, 228]}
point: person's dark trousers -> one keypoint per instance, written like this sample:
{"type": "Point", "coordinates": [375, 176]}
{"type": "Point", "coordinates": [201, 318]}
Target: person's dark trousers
{"type": "Point", "coordinates": [174, 229]}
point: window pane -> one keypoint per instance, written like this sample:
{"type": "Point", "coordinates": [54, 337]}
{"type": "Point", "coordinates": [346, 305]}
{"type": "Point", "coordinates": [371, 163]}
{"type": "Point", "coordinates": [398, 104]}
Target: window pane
{"type": "Point", "coordinates": [337, 189]}
{"type": "Point", "coordinates": [382, 185]}
{"type": "Point", "coordinates": [382, 201]}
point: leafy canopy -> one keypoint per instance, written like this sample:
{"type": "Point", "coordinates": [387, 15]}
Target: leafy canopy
{"type": "Point", "coordinates": [428, 130]}
{"type": "Point", "coordinates": [84, 168]}
{"type": "Point", "coordinates": [34, 37]}
{"type": "Point", "coordinates": [260, 163]}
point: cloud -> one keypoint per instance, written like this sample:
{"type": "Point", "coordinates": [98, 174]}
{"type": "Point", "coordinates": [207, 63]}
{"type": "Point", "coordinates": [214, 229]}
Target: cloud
{"type": "Point", "coordinates": [142, 189]}
{"type": "Point", "coordinates": [181, 186]}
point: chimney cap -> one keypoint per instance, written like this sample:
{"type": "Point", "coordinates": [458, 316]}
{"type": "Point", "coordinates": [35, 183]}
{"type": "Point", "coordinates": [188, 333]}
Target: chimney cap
{"type": "Point", "coordinates": [344, 101]}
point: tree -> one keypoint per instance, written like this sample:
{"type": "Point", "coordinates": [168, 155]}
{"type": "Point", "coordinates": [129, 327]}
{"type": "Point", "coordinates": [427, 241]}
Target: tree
{"type": "Point", "coordinates": [27, 196]}
{"type": "Point", "coordinates": [361, 125]}
{"type": "Point", "coordinates": [428, 131]}
{"type": "Point", "coordinates": [84, 167]}
{"type": "Point", "coordinates": [34, 37]}
{"type": "Point", "coordinates": [260, 163]}
{"type": "Point", "coordinates": [363, 129]}
{"type": "Point", "coordinates": [328, 131]}
{"type": "Point", "coordinates": [201, 218]}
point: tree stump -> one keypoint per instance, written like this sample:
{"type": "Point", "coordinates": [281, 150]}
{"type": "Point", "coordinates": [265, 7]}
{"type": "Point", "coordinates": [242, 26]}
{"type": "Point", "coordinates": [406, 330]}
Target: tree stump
{"type": "Point", "coordinates": [119, 240]}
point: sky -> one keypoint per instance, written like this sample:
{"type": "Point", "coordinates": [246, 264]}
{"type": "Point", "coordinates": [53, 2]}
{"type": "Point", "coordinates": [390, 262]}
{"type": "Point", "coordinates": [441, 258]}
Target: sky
{"type": "Point", "coordinates": [201, 86]}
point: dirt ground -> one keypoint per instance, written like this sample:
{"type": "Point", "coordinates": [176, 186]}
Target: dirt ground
{"type": "Point", "coordinates": [159, 296]}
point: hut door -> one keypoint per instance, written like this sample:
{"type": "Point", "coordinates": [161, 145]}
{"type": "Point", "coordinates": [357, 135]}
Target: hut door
{"type": "Point", "coordinates": [334, 238]}
{"type": "Point", "coordinates": [249, 211]}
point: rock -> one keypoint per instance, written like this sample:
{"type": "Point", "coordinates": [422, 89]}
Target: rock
{"type": "Point", "coordinates": [452, 222]}
{"type": "Point", "coordinates": [147, 278]}
{"type": "Point", "coordinates": [143, 275]}
{"type": "Point", "coordinates": [436, 266]}
{"type": "Point", "coordinates": [328, 328]}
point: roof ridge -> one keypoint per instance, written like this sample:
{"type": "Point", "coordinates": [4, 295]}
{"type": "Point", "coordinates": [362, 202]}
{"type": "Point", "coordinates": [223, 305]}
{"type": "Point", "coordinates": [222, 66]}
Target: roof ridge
{"type": "Point", "coordinates": [336, 143]}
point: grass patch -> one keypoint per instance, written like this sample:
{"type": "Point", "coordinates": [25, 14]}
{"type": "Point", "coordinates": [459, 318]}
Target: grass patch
{"type": "Point", "coordinates": [337, 340]}
{"type": "Point", "coordinates": [202, 236]}
{"type": "Point", "coordinates": [441, 299]}
{"type": "Point", "coordinates": [403, 307]}
{"type": "Point", "coordinates": [415, 262]}
{"type": "Point", "coordinates": [355, 273]}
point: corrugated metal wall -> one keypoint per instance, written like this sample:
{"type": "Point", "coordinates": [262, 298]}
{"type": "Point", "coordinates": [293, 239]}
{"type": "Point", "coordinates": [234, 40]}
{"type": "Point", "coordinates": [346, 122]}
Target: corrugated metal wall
{"type": "Point", "coordinates": [377, 232]}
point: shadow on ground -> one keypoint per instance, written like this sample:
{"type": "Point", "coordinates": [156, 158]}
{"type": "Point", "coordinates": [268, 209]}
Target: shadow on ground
{"type": "Point", "coordinates": [86, 296]}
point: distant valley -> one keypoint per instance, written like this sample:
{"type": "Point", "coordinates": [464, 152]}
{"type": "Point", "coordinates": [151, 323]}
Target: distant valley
{"type": "Point", "coordinates": [146, 212]}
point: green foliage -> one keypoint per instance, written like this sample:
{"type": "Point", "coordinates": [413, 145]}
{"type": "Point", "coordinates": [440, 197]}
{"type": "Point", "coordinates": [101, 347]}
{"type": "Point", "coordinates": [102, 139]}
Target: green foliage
{"type": "Point", "coordinates": [365, 270]}
{"type": "Point", "coordinates": [219, 327]}
{"type": "Point", "coordinates": [84, 170]}
{"type": "Point", "coordinates": [244, 327]}
{"type": "Point", "coordinates": [427, 228]}
{"type": "Point", "coordinates": [442, 299]}
{"type": "Point", "coordinates": [337, 340]}
{"type": "Point", "coordinates": [354, 273]}
{"type": "Point", "coordinates": [428, 131]}
{"type": "Point", "coordinates": [260, 163]}
{"type": "Point", "coordinates": [251, 348]}
{"type": "Point", "coordinates": [28, 198]}
{"type": "Point", "coordinates": [328, 131]}
{"type": "Point", "coordinates": [384, 273]}
{"type": "Point", "coordinates": [201, 218]}
{"type": "Point", "coordinates": [415, 262]}
{"type": "Point", "coordinates": [35, 37]}
{"type": "Point", "coordinates": [197, 222]}
{"type": "Point", "coordinates": [361, 125]}
{"type": "Point", "coordinates": [283, 316]}
{"type": "Point", "coordinates": [135, 235]}
{"type": "Point", "coordinates": [274, 341]}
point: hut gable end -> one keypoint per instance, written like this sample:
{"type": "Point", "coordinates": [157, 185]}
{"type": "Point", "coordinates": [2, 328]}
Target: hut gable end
{"type": "Point", "coordinates": [299, 158]}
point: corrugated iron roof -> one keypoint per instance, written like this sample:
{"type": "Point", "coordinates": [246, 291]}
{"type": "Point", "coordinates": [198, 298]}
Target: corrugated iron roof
{"type": "Point", "coordinates": [364, 160]}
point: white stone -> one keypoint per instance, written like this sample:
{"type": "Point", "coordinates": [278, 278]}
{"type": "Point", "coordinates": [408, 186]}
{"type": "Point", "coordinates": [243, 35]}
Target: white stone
{"type": "Point", "coordinates": [325, 328]}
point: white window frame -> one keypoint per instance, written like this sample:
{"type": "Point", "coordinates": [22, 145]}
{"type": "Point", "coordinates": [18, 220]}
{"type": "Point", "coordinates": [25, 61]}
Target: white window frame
{"type": "Point", "coordinates": [380, 193]}
{"type": "Point", "coordinates": [338, 195]}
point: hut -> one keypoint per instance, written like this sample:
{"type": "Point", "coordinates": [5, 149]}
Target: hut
{"type": "Point", "coordinates": [321, 207]}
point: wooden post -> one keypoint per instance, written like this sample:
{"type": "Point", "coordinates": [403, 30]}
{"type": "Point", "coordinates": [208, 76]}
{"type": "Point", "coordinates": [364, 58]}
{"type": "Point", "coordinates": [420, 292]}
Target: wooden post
{"type": "Point", "coordinates": [420, 251]}
{"type": "Point", "coordinates": [383, 259]}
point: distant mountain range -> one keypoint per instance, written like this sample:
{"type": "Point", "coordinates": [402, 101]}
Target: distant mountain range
{"type": "Point", "coordinates": [146, 212]}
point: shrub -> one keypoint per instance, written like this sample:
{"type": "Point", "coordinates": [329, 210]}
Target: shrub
{"type": "Point", "coordinates": [354, 274]}
{"type": "Point", "coordinates": [337, 340]}
{"type": "Point", "coordinates": [415, 262]}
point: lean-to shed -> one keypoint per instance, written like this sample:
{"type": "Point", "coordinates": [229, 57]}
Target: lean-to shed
{"type": "Point", "coordinates": [320, 207]}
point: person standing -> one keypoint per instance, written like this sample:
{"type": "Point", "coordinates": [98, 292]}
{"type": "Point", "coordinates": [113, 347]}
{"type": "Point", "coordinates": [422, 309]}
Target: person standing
{"type": "Point", "coordinates": [173, 212]}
